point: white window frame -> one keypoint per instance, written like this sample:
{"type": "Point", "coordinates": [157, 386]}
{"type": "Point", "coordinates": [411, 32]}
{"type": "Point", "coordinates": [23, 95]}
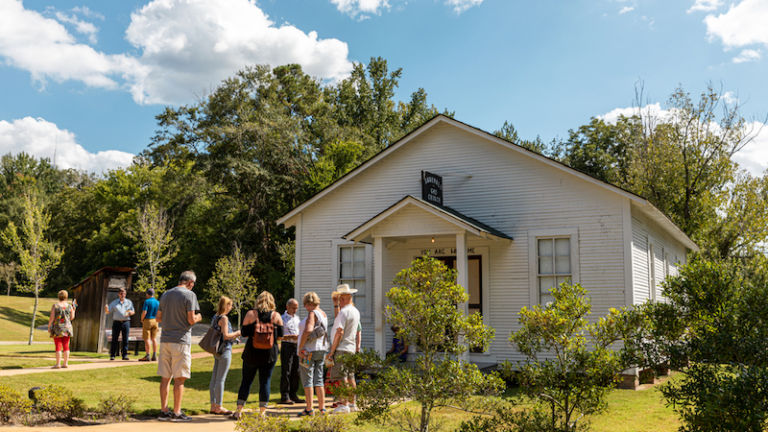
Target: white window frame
{"type": "Point", "coordinates": [363, 300]}
{"type": "Point", "coordinates": [571, 233]}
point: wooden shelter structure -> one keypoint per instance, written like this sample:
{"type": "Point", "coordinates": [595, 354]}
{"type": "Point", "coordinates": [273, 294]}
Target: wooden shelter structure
{"type": "Point", "coordinates": [92, 293]}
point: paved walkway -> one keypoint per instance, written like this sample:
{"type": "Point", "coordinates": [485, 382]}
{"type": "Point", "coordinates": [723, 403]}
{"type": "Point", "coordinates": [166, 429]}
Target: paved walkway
{"type": "Point", "coordinates": [204, 423]}
{"type": "Point", "coordinates": [90, 365]}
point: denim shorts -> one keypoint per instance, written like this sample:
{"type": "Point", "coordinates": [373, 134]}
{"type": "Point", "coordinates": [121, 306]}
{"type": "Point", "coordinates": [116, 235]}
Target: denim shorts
{"type": "Point", "coordinates": [312, 376]}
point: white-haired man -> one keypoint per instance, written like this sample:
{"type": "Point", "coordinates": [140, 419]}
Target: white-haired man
{"type": "Point", "coordinates": [344, 333]}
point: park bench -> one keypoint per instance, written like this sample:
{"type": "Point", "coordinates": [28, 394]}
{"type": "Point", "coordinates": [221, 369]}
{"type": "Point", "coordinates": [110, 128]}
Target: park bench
{"type": "Point", "coordinates": [134, 337]}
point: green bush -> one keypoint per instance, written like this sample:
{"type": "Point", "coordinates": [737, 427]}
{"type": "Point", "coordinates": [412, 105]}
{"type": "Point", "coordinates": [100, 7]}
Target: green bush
{"type": "Point", "coordinates": [257, 423]}
{"type": "Point", "coordinates": [322, 423]}
{"type": "Point", "coordinates": [116, 407]}
{"type": "Point", "coordinates": [13, 405]}
{"type": "Point", "coordinates": [59, 403]}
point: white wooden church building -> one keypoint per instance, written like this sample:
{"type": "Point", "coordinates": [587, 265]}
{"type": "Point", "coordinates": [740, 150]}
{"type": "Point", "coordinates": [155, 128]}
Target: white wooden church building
{"type": "Point", "coordinates": [511, 221]}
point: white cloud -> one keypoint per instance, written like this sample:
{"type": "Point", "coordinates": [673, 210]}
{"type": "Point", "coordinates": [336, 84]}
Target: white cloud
{"type": "Point", "coordinates": [730, 98]}
{"type": "Point", "coordinates": [186, 48]}
{"type": "Point", "coordinates": [743, 24]}
{"type": "Point", "coordinates": [82, 27]}
{"type": "Point", "coordinates": [189, 46]}
{"type": "Point", "coordinates": [705, 5]}
{"type": "Point", "coordinates": [655, 110]}
{"type": "Point", "coordinates": [44, 139]}
{"type": "Point", "coordinates": [460, 6]}
{"type": "Point", "coordinates": [747, 55]}
{"type": "Point", "coordinates": [43, 47]}
{"type": "Point", "coordinates": [361, 8]}
{"type": "Point", "coordinates": [626, 9]}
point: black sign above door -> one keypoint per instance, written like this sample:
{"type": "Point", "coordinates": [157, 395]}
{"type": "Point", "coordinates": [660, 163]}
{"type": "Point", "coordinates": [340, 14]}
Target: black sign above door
{"type": "Point", "coordinates": [432, 188]}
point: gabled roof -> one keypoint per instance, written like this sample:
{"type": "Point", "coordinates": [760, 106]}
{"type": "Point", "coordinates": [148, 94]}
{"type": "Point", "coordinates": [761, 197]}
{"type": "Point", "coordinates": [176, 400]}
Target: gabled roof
{"type": "Point", "coordinates": [641, 203]}
{"type": "Point", "coordinates": [446, 213]}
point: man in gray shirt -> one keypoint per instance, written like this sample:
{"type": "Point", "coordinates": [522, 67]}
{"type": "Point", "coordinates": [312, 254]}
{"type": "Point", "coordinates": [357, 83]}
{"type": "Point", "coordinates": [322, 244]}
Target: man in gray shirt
{"type": "Point", "coordinates": [177, 313]}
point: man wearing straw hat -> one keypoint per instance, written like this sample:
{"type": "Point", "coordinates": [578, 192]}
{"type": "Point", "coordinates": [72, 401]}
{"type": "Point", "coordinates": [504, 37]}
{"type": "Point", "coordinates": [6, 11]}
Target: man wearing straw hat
{"type": "Point", "coordinates": [344, 333]}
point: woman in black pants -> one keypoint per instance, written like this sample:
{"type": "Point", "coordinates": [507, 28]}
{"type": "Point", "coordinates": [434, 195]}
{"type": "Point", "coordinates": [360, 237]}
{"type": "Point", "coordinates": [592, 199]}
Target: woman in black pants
{"type": "Point", "coordinates": [260, 360]}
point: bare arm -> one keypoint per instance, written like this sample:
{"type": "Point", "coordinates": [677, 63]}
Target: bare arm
{"type": "Point", "coordinates": [72, 310]}
{"type": "Point", "coordinates": [224, 326]}
{"type": "Point", "coordinates": [358, 340]}
{"type": "Point", "coordinates": [336, 339]}
{"type": "Point", "coordinates": [193, 318]}
{"type": "Point", "coordinates": [250, 317]}
{"type": "Point", "coordinates": [308, 327]}
{"type": "Point", "coordinates": [143, 314]}
{"type": "Point", "coordinates": [159, 317]}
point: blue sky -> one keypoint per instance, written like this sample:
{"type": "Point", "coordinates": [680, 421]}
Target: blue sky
{"type": "Point", "coordinates": [86, 78]}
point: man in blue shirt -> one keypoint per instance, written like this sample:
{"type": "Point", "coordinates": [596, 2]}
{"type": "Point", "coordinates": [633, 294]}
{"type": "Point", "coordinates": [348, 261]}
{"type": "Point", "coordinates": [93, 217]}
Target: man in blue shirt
{"type": "Point", "coordinates": [149, 324]}
{"type": "Point", "coordinates": [121, 309]}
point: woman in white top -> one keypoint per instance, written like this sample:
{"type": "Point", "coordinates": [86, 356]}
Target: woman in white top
{"type": "Point", "coordinates": [312, 352]}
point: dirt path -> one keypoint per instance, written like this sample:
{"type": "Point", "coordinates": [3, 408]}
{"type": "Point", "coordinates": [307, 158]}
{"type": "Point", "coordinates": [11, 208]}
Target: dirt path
{"type": "Point", "coordinates": [204, 423]}
{"type": "Point", "coordinates": [92, 364]}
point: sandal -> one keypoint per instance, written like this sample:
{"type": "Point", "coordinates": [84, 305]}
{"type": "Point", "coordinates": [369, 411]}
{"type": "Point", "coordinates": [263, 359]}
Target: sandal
{"type": "Point", "coordinates": [305, 413]}
{"type": "Point", "coordinates": [236, 415]}
{"type": "Point", "coordinates": [56, 367]}
{"type": "Point", "coordinates": [222, 412]}
{"type": "Point", "coordinates": [322, 411]}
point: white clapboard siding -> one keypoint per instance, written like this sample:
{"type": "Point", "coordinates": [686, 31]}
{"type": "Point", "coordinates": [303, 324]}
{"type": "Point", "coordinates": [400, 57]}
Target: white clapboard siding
{"type": "Point", "coordinates": [668, 254]}
{"type": "Point", "coordinates": [505, 189]}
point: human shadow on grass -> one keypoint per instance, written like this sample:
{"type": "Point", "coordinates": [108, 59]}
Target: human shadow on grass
{"type": "Point", "coordinates": [201, 380]}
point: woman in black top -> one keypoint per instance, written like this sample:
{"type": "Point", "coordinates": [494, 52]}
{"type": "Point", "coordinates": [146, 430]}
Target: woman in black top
{"type": "Point", "coordinates": [260, 361]}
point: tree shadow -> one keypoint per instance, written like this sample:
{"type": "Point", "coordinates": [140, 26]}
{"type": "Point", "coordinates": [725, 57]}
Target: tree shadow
{"type": "Point", "coordinates": [19, 317]}
{"type": "Point", "coordinates": [201, 380]}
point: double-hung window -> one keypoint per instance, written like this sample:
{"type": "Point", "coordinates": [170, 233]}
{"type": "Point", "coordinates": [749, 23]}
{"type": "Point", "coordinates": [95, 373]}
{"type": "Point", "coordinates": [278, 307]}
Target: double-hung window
{"type": "Point", "coordinates": [352, 271]}
{"type": "Point", "coordinates": [554, 265]}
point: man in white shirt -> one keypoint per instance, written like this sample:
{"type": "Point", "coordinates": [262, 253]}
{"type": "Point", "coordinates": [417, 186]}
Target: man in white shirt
{"type": "Point", "coordinates": [289, 360]}
{"type": "Point", "coordinates": [121, 310]}
{"type": "Point", "coordinates": [344, 333]}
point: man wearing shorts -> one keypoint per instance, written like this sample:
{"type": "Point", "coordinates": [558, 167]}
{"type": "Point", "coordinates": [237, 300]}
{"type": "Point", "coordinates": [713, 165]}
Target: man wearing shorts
{"type": "Point", "coordinates": [344, 332]}
{"type": "Point", "coordinates": [149, 325]}
{"type": "Point", "coordinates": [177, 313]}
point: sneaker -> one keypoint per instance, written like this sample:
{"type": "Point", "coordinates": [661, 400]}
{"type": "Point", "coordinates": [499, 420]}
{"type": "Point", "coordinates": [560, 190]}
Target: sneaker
{"type": "Point", "coordinates": [353, 408]}
{"type": "Point", "coordinates": [111, 358]}
{"type": "Point", "coordinates": [341, 409]}
{"type": "Point", "coordinates": [165, 415]}
{"type": "Point", "coordinates": [145, 358]}
{"type": "Point", "coordinates": [154, 357]}
{"type": "Point", "coordinates": [181, 417]}
{"type": "Point", "coordinates": [126, 358]}
{"type": "Point", "coordinates": [286, 402]}
{"type": "Point", "coordinates": [296, 399]}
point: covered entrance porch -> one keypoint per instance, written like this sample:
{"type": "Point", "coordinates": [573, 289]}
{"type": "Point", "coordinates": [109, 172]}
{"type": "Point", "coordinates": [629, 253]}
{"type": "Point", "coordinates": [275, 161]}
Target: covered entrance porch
{"type": "Point", "coordinates": [413, 227]}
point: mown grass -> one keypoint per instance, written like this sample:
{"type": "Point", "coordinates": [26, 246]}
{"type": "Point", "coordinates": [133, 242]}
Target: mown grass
{"type": "Point", "coordinates": [16, 316]}
{"type": "Point", "coordinates": [628, 410]}
{"type": "Point", "coordinates": [8, 363]}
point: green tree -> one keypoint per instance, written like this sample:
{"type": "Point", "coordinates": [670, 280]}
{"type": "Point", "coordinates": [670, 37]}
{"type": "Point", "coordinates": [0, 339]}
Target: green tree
{"type": "Point", "coordinates": [714, 327]}
{"type": "Point", "coordinates": [423, 308]}
{"type": "Point", "coordinates": [37, 255]}
{"type": "Point", "coordinates": [233, 278]}
{"type": "Point", "coordinates": [571, 363]}
{"type": "Point", "coordinates": [8, 274]}
{"type": "Point", "coordinates": [154, 235]}
{"type": "Point", "coordinates": [509, 133]}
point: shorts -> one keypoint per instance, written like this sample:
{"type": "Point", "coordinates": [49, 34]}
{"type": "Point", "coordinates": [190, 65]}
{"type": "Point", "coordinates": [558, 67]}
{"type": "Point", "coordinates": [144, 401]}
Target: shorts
{"type": "Point", "coordinates": [175, 360]}
{"type": "Point", "coordinates": [149, 329]}
{"type": "Point", "coordinates": [311, 373]}
{"type": "Point", "coordinates": [62, 343]}
{"type": "Point", "coordinates": [338, 370]}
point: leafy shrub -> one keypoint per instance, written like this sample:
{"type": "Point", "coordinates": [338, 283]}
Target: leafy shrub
{"type": "Point", "coordinates": [116, 407]}
{"type": "Point", "coordinates": [323, 423]}
{"type": "Point", "coordinates": [257, 423]}
{"type": "Point", "coordinates": [59, 403]}
{"type": "Point", "coordinates": [13, 404]}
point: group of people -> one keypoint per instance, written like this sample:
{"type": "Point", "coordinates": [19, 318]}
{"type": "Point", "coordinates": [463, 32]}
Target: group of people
{"type": "Point", "coordinates": [307, 346]}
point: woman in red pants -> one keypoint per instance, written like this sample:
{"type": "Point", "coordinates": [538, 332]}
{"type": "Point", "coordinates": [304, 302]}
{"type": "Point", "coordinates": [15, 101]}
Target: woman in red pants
{"type": "Point", "coordinates": [60, 327]}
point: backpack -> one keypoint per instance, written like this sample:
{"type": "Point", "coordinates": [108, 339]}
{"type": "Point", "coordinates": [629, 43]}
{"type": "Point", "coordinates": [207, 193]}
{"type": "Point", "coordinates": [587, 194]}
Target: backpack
{"type": "Point", "coordinates": [263, 334]}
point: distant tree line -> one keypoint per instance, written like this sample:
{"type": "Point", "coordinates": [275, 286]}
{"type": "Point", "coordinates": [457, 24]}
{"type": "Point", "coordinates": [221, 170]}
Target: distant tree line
{"type": "Point", "coordinates": [221, 171]}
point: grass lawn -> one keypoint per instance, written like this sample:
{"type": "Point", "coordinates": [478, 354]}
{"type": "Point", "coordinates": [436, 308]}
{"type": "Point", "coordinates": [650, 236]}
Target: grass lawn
{"type": "Point", "coordinates": [628, 410]}
{"type": "Point", "coordinates": [42, 350]}
{"type": "Point", "coordinates": [16, 316]}
{"type": "Point", "coordinates": [7, 363]}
